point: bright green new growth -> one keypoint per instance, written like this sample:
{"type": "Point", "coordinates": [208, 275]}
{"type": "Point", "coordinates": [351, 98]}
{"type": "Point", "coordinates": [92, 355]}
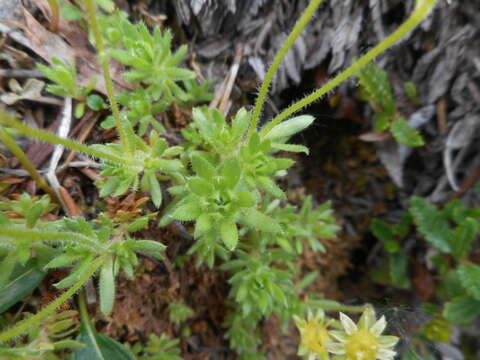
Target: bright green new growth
{"type": "Point", "coordinates": [222, 178]}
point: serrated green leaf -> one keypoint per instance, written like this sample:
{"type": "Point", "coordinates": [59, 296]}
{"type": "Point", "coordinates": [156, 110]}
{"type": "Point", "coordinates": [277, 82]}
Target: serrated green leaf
{"type": "Point", "coordinates": [462, 310]}
{"type": "Point", "coordinates": [469, 275]}
{"type": "Point", "coordinates": [200, 186]}
{"type": "Point", "coordinates": [291, 148]}
{"type": "Point", "coordinates": [431, 224]}
{"type": "Point", "coordinates": [203, 168]}
{"type": "Point", "coordinates": [150, 247]}
{"type": "Point", "coordinates": [62, 260]}
{"type": "Point", "coordinates": [139, 224]}
{"type": "Point", "coordinates": [451, 286]}
{"type": "Point", "coordinates": [203, 223]}
{"type": "Point", "coordinates": [109, 186]}
{"type": "Point", "coordinates": [270, 187]}
{"type": "Point", "coordinates": [260, 221]}
{"type": "Point", "coordinates": [463, 237]}
{"type": "Point", "coordinates": [231, 172]}
{"type": "Point", "coordinates": [404, 134]}
{"type": "Point", "coordinates": [187, 212]}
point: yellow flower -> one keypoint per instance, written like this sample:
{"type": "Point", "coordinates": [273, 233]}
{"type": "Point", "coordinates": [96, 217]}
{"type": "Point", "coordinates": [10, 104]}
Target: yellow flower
{"type": "Point", "coordinates": [362, 341]}
{"type": "Point", "coordinates": [314, 336]}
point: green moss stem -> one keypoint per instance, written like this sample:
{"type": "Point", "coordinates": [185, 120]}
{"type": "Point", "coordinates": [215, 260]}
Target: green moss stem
{"type": "Point", "coordinates": [422, 9]}
{"type": "Point", "coordinates": [31, 322]}
{"type": "Point", "coordinates": [17, 151]}
{"type": "Point", "coordinates": [103, 58]}
{"type": "Point", "coordinates": [297, 29]}
{"type": "Point", "coordinates": [53, 139]}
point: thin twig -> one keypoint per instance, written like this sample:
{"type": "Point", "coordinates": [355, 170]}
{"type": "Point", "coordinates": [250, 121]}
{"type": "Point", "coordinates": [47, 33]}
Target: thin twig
{"type": "Point", "coordinates": [62, 132]}
{"type": "Point", "coordinates": [21, 73]}
{"type": "Point", "coordinates": [231, 79]}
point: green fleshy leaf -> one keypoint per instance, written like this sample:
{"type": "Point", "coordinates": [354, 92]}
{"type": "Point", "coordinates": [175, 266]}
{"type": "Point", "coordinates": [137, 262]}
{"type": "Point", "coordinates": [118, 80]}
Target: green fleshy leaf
{"type": "Point", "coordinates": [95, 102]}
{"type": "Point", "coordinates": [291, 148]}
{"type": "Point", "coordinates": [229, 234]}
{"type": "Point", "coordinates": [155, 190]}
{"type": "Point", "coordinates": [107, 287]}
{"type": "Point", "coordinates": [289, 127]}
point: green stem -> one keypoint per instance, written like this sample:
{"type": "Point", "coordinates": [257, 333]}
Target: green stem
{"type": "Point", "coordinates": [23, 159]}
{"type": "Point", "coordinates": [334, 306]}
{"type": "Point", "coordinates": [31, 322]}
{"type": "Point", "coordinates": [103, 58]}
{"type": "Point", "coordinates": [422, 9]}
{"type": "Point", "coordinates": [86, 322]}
{"type": "Point", "coordinates": [280, 55]}
{"type": "Point", "coordinates": [16, 233]}
{"type": "Point", "coordinates": [53, 139]}
{"type": "Point", "coordinates": [82, 306]}
{"type": "Point", "coordinates": [55, 13]}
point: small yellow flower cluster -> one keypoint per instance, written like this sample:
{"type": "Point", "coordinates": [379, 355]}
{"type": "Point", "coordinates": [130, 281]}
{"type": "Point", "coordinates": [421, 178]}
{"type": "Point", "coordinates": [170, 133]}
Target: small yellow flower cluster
{"type": "Point", "coordinates": [362, 341]}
